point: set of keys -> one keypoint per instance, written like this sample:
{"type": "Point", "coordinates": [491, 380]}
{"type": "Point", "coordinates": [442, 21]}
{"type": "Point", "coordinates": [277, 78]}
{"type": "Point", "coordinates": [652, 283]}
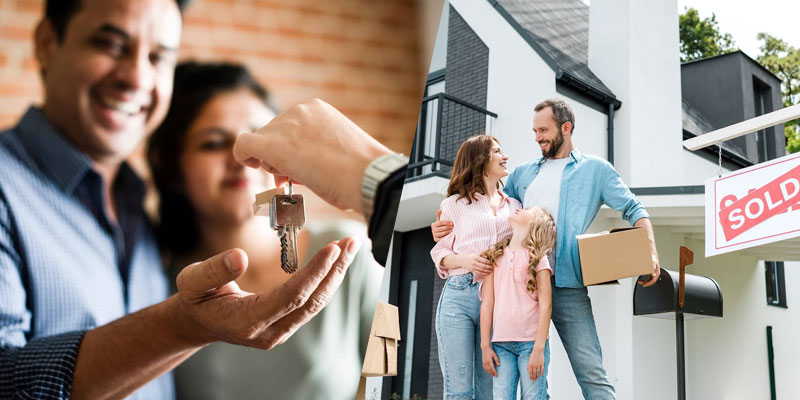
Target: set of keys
{"type": "Point", "coordinates": [287, 214]}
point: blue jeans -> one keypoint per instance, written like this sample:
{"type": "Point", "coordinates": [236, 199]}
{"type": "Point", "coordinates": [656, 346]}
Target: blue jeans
{"type": "Point", "coordinates": [573, 319]}
{"type": "Point", "coordinates": [513, 368]}
{"type": "Point", "coordinates": [458, 334]}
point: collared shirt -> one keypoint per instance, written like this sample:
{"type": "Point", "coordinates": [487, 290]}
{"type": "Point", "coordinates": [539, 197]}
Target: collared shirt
{"type": "Point", "coordinates": [475, 228]}
{"type": "Point", "coordinates": [515, 315]}
{"type": "Point", "coordinates": [587, 183]}
{"type": "Point", "coordinates": [65, 267]}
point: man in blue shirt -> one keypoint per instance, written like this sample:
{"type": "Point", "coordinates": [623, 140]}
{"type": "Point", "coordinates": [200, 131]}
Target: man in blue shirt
{"type": "Point", "coordinates": [83, 301]}
{"type": "Point", "coordinates": [572, 186]}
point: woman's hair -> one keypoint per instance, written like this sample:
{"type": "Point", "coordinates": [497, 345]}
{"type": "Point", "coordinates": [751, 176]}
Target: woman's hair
{"type": "Point", "coordinates": [469, 168]}
{"type": "Point", "coordinates": [541, 240]}
{"type": "Point", "coordinates": [195, 85]}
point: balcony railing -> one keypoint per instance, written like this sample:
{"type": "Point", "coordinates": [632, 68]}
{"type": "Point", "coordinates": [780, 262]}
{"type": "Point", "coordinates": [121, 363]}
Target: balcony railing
{"type": "Point", "coordinates": [444, 123]}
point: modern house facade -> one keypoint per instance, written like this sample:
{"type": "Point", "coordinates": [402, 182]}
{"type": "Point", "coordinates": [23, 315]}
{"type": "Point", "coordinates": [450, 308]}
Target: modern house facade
{"type": "Point", "coordinates": [617, 64]}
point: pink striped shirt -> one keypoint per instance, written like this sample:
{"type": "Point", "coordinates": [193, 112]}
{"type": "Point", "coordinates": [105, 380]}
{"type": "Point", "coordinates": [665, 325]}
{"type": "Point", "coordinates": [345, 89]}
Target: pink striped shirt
{"type": "Point", "coordinates": [475, 228]}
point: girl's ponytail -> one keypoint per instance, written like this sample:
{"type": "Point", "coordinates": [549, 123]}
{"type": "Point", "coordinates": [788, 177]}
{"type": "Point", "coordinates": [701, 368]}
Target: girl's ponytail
{"type": "Point", "coordinates": [540, 242]}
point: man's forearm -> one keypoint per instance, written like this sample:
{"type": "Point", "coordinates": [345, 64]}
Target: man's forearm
{"type": "Point", "coordinates": [117, 358]}
{"type": "Point", "coordinates": [648, 227]}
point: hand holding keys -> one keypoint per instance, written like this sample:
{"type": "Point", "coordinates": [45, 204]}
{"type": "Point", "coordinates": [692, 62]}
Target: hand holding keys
{"type": "Point", "coordinates": [287, 215]}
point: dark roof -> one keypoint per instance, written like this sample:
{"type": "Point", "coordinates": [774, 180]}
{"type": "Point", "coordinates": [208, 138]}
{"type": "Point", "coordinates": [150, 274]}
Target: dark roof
{"type": "Point", "coordinates": [695, 124]}
{"type": "Point", "coordinates": [559, 32]}
{"type": "Point", "coordinates": [693, 121]}
{"type": "Point", "coordinates": [738, 53]}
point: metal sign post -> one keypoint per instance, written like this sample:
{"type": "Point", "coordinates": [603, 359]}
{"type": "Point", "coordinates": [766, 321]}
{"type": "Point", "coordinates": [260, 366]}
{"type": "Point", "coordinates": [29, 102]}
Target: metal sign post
{"type": "Point", "coordinates": [743, 128]}
{"type": "Point", "coordinates": [686, 258]}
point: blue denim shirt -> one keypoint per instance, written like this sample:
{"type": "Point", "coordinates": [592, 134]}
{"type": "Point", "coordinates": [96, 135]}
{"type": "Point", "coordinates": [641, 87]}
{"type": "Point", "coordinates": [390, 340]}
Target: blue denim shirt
{"type": "Point", "coordinates": [587, 183]}
{"type": "Point", "coordinates": [64, 267]}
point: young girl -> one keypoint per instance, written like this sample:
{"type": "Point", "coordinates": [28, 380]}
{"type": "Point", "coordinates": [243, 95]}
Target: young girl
{"type": "Point", "coordinates": [516, 307]}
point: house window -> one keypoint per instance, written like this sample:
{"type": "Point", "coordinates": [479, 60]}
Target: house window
{"type": "Point", "coordinates": [435, 86]}
{"type": "Point", "coordinates": [762, 103]}
{"type": "Point", "coordinates": [776, 287]}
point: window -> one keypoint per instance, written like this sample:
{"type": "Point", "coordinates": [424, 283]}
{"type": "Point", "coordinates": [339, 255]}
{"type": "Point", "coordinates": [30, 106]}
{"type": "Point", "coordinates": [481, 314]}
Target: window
{"type": "Point", "coordinates": [776, 287]}
{"type": "Point", "coordinates": [762, 103]}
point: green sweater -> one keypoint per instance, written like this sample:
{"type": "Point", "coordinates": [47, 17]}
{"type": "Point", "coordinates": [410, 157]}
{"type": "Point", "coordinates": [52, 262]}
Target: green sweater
{"type": "Point", "coordinates": [322, 360]}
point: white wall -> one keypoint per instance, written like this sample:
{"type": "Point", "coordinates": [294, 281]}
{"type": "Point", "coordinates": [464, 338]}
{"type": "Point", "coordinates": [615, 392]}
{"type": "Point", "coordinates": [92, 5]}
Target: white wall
{"type": "Point", "coordinates": [439, 56]}
{"type": "Point", "coordinates": [726, 358]}
{"type": "Point", "coordinates": [518, 80]}
{"type": "Point", "coordinates": [633, 48]}
{"type": "Point", "coordinates": [697, 169]}
{"type": "Point", "coordinates": [786, 326]}
{"type": "Point", "coordinates": [419, 202]}
{"type": "Point", "coordinates": [730, 354]}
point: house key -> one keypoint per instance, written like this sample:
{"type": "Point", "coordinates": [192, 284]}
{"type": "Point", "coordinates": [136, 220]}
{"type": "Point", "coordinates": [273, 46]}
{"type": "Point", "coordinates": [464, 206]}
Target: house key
{"type": "Point", "coordinates": [287, 215]}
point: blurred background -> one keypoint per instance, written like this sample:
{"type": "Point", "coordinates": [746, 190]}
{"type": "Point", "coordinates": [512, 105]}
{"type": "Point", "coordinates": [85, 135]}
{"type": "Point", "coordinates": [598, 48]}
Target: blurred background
{"type": "Point", "coordinates": [369, 59]}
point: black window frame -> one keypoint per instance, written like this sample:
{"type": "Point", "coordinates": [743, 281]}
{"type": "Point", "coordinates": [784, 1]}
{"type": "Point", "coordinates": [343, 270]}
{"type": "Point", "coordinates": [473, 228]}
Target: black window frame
{"type": "Point", "coordinates": [775, 280]}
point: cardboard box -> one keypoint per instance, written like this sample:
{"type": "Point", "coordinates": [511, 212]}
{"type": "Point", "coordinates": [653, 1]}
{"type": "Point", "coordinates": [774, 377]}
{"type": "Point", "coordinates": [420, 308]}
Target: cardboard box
{"type": "Point", "coordinates": [615, 254]}
{"type": "Point", "coordinates": [381, 355]}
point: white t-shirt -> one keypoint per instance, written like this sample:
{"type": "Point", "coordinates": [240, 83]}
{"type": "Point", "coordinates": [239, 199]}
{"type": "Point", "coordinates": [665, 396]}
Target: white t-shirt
{"type": "Point", "coordinates": [545, 190]}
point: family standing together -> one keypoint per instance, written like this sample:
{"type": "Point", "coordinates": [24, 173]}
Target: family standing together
{"type": "Point", "coordinates": [510, 257]}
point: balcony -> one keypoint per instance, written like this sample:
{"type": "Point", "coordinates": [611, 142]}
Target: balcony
{"type": "Point", "coordinates": [444, 123]}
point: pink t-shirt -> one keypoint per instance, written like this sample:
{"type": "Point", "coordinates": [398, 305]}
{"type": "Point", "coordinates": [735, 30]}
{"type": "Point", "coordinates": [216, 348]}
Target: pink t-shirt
{"type": "Point", "coordinates": [516, 311]}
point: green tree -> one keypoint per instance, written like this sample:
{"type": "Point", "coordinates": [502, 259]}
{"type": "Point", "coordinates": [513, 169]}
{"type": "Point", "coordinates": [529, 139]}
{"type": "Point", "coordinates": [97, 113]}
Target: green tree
{"type": "Point", "coordinates": [783, 60]}
{"type": "Point", "coordinates": [701, 38]}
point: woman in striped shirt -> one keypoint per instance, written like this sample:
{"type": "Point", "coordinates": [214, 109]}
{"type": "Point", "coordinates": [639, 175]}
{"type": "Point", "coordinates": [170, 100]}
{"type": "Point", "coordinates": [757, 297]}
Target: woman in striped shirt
{"type": "Point", "coordinates": [479, 211]}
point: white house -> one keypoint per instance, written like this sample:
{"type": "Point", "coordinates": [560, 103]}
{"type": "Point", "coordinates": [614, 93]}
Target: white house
{"type": "Point", "coordinates": [617, 63]}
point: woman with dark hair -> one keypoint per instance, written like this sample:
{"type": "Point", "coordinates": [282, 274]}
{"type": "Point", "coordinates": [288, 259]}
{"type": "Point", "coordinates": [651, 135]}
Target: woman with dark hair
{"type": "Point", "coordinates": [206, 206]}
{"type": "Point", "coordinates": [479, 211]}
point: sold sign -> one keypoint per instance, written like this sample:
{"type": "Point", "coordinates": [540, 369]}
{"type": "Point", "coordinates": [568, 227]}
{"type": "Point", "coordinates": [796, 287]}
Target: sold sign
{"type": "Point", "coordinates": [753, 206]}
{"type": "Point", "coordinates": [759, 205]}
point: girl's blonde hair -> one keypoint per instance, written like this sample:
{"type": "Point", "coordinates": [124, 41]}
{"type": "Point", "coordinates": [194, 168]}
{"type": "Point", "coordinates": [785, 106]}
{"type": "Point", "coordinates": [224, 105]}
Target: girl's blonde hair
{"type": "Point", "coordinates": [540, 242]}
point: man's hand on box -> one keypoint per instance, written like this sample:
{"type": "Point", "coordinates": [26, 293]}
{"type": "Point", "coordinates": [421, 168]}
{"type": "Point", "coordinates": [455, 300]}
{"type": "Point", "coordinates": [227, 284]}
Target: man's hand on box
{"type": "Point", "coordinates": [654, 276]}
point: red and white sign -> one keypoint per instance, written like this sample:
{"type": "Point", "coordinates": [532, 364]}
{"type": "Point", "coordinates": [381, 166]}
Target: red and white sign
{"type": "Point", "coordinates": [753, 206]}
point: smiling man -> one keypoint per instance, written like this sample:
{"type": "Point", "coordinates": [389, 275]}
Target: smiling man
{"type": "Point", "coordinates": [84, 311]}
{"type": "Point", "coordinates": [572, 186]}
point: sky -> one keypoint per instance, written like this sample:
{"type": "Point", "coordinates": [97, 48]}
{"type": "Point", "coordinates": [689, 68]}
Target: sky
{"type": "Point", "coordinates": [745, 19]}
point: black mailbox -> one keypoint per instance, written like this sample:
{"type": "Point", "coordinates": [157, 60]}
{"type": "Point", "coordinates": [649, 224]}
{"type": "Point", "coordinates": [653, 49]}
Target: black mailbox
{"type": "Point", "coordinates": [674, 295]}
{"type": "Point", "coordinates": [703, 297]}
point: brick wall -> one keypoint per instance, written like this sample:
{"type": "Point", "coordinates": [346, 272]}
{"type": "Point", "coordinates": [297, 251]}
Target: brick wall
{"type": "Point", "coordinates": [466, 77]}
{"type": "Point", "coordinates": [361, 56]}
{"type": "Point", "coordinates": [467, 68]}
{"type": "Point", "coordinates": [365, 57]}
